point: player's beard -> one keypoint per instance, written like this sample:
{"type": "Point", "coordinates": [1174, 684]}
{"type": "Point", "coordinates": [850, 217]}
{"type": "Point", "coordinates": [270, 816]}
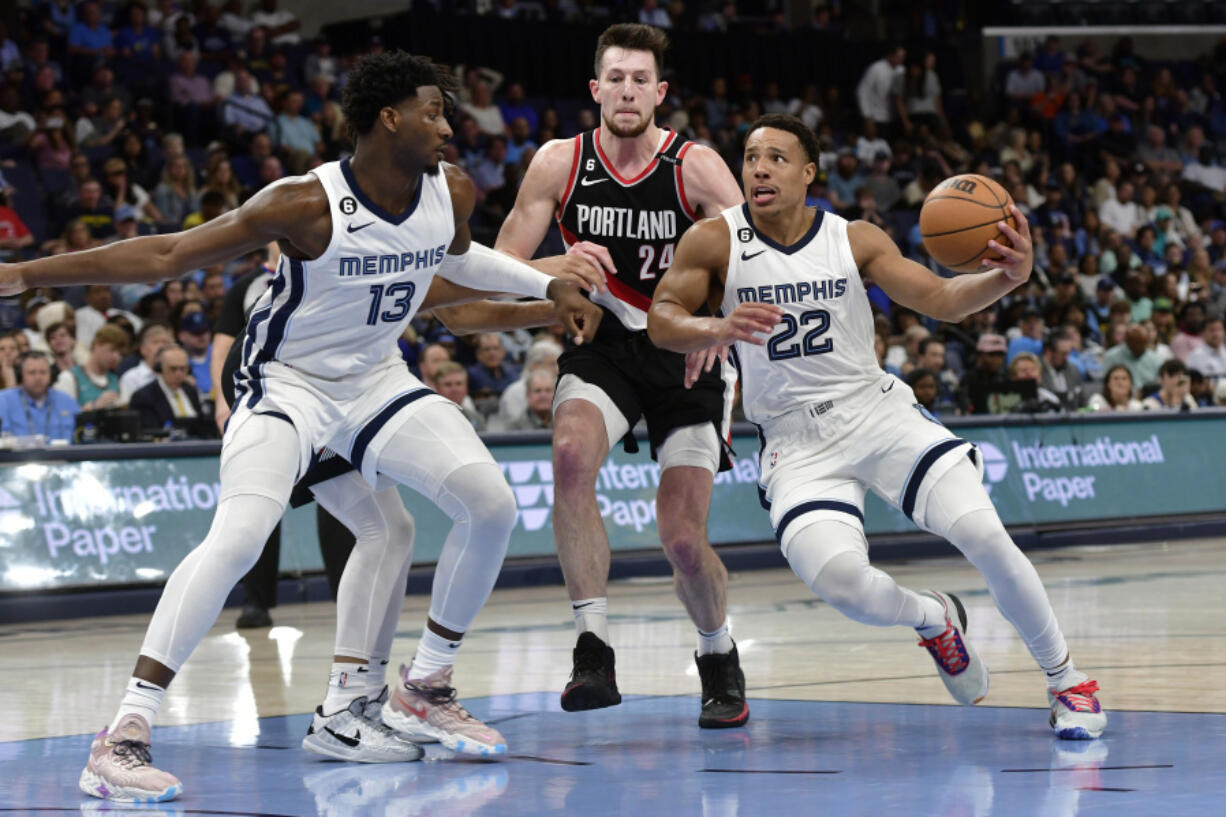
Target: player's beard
{"type": "Point", "coordinates": [624, 132]}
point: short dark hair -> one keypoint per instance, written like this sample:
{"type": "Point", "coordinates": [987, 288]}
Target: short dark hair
{"type": "Point", "coordinates": [789, 123]}
{"type": "Point", "coordinates": [380, 80]}
{"type": "Point", "coordinates": [926, 342]}
{"type": "Point", "coordinates": [213, 198]}
{"type": "Point", "coordinates": [1172, 367]}
{"type": "Point", "coordinates": [633, 37]}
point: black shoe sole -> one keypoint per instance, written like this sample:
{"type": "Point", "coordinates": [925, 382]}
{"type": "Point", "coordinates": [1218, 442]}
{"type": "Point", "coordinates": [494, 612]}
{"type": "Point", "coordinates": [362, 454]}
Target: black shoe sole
{"type": "Point", "coordinates": [708, 722]}
{"type": "Point", "coordinates": [582, 698]}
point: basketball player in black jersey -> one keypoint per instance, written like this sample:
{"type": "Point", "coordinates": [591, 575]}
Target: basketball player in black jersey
{"type": "Point", "coordinates": [622, 195]}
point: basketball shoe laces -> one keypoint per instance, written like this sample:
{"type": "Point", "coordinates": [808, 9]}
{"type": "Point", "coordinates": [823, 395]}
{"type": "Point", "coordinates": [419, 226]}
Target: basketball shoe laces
{"type": "Point", "coordinates": [132, 754]}
{"type": "Point", "coordinates": [947, 649]}
{"type": "Point", "coordinates": [1080, 698]}
{"type": "Point", "coordinates": [443, 697]}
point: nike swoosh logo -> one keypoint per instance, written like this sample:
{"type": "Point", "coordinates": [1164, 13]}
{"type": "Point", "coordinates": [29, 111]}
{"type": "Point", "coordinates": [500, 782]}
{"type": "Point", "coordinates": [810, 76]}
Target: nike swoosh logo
{"type": "Point", "coordinates": [353, 229]}
{"type": "Point", "coordinates": [586, 182]}
{"type": "Point", "coordinates": [363, 669]}
{"type": "Point", "coordinates": [885, 389]}
{"type": "Point", "coordinates": [746, 256]}
{"type": "Point", "coordinates": [351, 742]}
{"type": "Point", "coordinates": [581, 606]}
{"type": "Point", "coordinates": [145, 686]}
{"type": "Point", "coordinates": [453, 646]}
{"type": "Point", "coordinates": [418, 711]}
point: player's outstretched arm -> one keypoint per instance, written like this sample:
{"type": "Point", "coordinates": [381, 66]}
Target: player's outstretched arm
{"type": "Point", "coordinates": [465, 311]}
{"type": "Point", "coordinates": [946, 299]}
{"type": "Point", "coordinates": [540, 194]}
{"type": "Point", "coordinates": [696, 273]}
{"type": "Point", "coordinates": [288, 211]}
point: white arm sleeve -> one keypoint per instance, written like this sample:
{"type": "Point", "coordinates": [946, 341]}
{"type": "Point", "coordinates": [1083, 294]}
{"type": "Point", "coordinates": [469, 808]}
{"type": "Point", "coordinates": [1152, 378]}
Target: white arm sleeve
{"type": "Point", "coordinates": [492, 271]}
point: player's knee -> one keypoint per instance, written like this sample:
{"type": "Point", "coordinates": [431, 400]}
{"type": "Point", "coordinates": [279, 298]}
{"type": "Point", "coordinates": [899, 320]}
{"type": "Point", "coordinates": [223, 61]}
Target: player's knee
{"type": "Point", "coordinates": [481, 493]}
{"type": "Point", "coordinates": [686, 550]}
{"type": "Point", "coordinates": [572, 461]}
{"type": "Point", "coordinates": [401, 529]}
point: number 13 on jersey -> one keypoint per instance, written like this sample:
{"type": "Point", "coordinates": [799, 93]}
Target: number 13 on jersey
{"type": "Point", "coordinates": [401, 295]}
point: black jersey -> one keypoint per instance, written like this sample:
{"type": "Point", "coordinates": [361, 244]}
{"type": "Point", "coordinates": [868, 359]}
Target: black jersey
{"type": "Point", "coordinates": [639, 220]}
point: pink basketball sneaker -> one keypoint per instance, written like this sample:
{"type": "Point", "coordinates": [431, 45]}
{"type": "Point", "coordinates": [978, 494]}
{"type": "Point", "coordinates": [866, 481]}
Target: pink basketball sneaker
{"type": "Point", "coordinates": [120, 767]}
{"type": "Point", "coordinates": [425, 710]}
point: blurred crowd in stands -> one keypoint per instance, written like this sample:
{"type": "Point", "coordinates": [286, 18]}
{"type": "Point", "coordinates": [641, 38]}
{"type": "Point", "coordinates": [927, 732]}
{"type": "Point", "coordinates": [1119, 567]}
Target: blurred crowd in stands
{"type": "Point", "coordinates": [123, 119]}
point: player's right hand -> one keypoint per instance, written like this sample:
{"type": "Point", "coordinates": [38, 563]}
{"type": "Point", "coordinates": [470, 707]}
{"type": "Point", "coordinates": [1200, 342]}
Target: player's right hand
{"type": "Point", "coordinates": [600, 263]}
{"type": "Point", "coordinates": [11, 282]}
{"type": "Point", "coordinates": [697, 363]}
{"type": "Point", "coordinates": [747, 323]}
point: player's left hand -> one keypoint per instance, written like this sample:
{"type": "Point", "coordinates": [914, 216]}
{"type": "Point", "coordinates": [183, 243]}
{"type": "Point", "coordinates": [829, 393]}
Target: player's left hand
{"type": "Point", "coordinates": [1016, 260]}
{"type": "Point", "coordinates": [579, 315]}
{"type": "Point", "coordinates": [697, 363]}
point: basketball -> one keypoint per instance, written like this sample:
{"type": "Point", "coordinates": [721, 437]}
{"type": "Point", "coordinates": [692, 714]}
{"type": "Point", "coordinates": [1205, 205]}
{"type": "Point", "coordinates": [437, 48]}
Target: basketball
{"type": "Point", "coordinates": [959, 218]}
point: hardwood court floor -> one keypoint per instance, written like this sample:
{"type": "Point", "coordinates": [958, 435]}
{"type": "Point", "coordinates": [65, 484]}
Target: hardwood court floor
{"type": "Point", "coordinates": [830, 699]}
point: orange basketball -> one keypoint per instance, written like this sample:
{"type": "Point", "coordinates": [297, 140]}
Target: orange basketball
{"type": "Point", "coordinates": [959, 218]}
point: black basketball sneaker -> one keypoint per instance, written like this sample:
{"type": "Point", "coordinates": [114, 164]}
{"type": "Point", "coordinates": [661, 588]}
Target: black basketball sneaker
{"type": "Point", "coordinates": [593, 682]}
{"type": "Point", "coordinates": [723, 690]}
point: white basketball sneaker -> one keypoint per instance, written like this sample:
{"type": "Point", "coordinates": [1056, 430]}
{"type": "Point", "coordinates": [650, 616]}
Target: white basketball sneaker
{"type": "Point", "coordinates": [120, 767]}
{"type": "Point", "coordinates": [350, 735]}
{"type": "Point", "coordinates": [426, 710]}
{"type": "Point", "coordinates": [1076, 713]}
{"type": "Point", "coordinates": [964, 674]}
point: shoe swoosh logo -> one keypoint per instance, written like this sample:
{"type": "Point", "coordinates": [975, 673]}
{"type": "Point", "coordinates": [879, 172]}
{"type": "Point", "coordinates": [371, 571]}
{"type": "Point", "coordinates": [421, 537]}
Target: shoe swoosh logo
{"type": "Point", "coordinates": [145, 686]}
{"type": "Point", "coordinates": [586, 182]}
{"type": "Point", "coordinates": [353, 229]}
{"type": "Point", "coordinates": [351, 742]}
{"type": "Point", "coordinates": [746, 256]}
{"type": "Point", "coordinates": [419, 711]}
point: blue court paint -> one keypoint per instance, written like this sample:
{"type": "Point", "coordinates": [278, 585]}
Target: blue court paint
{"type": "Point", "coordinates": [647, 758]}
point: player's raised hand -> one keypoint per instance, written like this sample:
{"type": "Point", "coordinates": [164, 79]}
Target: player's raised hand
{"type": "Point", "coordinates": [579, 315]}
{"type": "Point", "coordinates": [748, 322]}
{"type": "Point", "coordinates": [1016, 260]}
{"type": "Point", "coordinates": [11, 282]}
{"type": "Point", "coordinates": [696, 363]}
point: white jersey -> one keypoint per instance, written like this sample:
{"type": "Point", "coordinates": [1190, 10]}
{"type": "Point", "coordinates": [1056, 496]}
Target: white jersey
{"type": "Point", "coordinates": [342, 313]}
{"type": "Point", "coordinates": [822, 349]}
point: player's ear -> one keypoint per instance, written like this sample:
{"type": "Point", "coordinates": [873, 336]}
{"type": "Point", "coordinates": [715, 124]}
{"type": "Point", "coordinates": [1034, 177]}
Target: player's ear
{"type": "Point", "coordinates": [810, 173]}
{"type": "Point", "coordinates": [390, 118]}
{"type": "Point", "coordinates": [661, 92]}
{"type": "Point", "coordinates": [594, 86]}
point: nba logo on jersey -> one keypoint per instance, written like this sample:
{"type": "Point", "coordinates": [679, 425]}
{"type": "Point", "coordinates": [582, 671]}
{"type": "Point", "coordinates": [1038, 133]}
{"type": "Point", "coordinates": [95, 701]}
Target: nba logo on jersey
{"type": "Point", "coordinates": [774, 458]}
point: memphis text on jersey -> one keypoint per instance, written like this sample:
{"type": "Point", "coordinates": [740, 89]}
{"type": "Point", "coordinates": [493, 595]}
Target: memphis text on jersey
{"type": "Point", "coordinates": [793, 293]}
{"type": "Point", "coordinates": [351, 265]}
{"type": "Point", "coordinates": [624, 222]}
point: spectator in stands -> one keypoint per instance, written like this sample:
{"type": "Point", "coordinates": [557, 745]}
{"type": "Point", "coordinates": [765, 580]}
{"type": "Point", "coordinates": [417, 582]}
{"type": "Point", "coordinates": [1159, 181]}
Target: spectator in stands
{"type": "Point", "coordinates": [1030, 336]}
{"type": "Point", "coordinates": [171, 399]}
{"type": "Point", "coordinates": [879, 87]}
{"type": "Point", "coordinates": [152, 338]}
{"type": "Point", "coordinates": [931, 357]}
{"type": "Point", "coordinates": [1191, 325]}
{"type": "Point", "coordinates": [484, 112]}
{"type": "Point", "coordinates": [321, 63]}
{"type": "Point", "coordinates": [175, 196]}
{"type": "Point", "coordinates": [543, 355]}
{"type": "Point", "coordinates": [491, 374]}
{"type": "Point", "coordinates": [34, 407]}
{"type": "Point", "coordinates": [1210, 357]}
{"type": "Point", "coordinates": [1173, 390]}
{"type": "Point", "coordinates": [213, 38]}
{"type": "Point", "coordinates": [60, 339]}
{"type": "Point", "coordinates": [1059, 376]}
{"type": "Point", "coordinates": [9, 353]}
{"type": "Point", "coordinates": [123, 192]}
{"type": "Point", "coordinates": [1142, 362]}
{"type": "Point", "coordinates": [295, 133]}
{"type": "Point", "coordinates": [247, 166]}
{"type": "Point", "coordinates": [1159, 157]}
{"type": "Point", "coordinates": [521, 141]}
{"type": "Point", "coordinates": [93, 209]}
{"type": "Point", "coordinates": [515, 107]}
{"type": "Point", "coordinates": [88, 38]}
{"type": "Point", "coordinates": [191, 98]}
{"type": "Point", "coordinates": [234, 21]}
{"type": "Point", "coordinates": [538, 414]}
{"type": "Point", "coordinates": [1118, 393]}
{"type": "Point", "coordinates": [925, 386]}
{"type": "Point", "coordinates": [76, 237]}
{"type": "Point", "coordinates": [195, 337]}
{"type": "Point", "coordinates": [489, 174]}
{"type": "Point", "coordinates": [101, 87]}
{"type": "Point", "coordinates": [282, 25]}
{"type": "Point", "coordinates": [1026, 366]}
{"type": "Point", "coordinates": [245, 111]}
{"type": "Point", "coordinates": [52, 145]}
{"type": "Point", "coordinates": [96, 312]}
{"type": "Point", "coordinates": [220, 178]}
{"type": "Point", "coordinates": [432, 356]}
{"type": "Point", "coordinates": [137, 42]}
{"type": "Point", "coordinates": [318, 96]}
{"type": "Point", "coordinates": [1137, 293]}
{"type": "Point", "coordinates": [989, 372]}
{"type": "Point", "coordinates": [93, 384]}
{"type": "Point", "coordinates": [846, 179]}
{"type": "Point", "coordinates": [451, 381]}
{"type": "Point", "coordinates": [1024, 81]}
{"type": "Point", "coordinates": [16, 126]}
{"type": "Point", "coordinates": [179, 40]}
{"type": "Point", "coordinates": [14, 234]}
{"type": "Point", "coordinates": [212, 205]}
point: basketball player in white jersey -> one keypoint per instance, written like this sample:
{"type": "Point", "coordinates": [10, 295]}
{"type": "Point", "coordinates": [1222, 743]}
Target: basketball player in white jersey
{"type": "Point", "coordinates": [622, 195]}
{"type": "Point", "coordinates": [788, 278]}
{"type": "Point", "coordinates": [362, 240]}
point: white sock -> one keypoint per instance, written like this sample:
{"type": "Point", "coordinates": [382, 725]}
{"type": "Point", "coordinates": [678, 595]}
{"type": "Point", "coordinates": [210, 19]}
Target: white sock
{"type": "Point", "coordinates": [143, 698]}
{"type": "Point", "coordinates": [719, 641]}
{"type": "Point", "coordinates": [1064, 676]}
{"type": "Point", "coordinates": [433, 654]}
{"type": "Point", "coordinates": [592, 616]}
{"type": "Point", "coordinates": [346, 681]}
{"type": "Point", "coordinates": [934, 616]}
{"type": "Point", "coordinates": [376, 676]}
